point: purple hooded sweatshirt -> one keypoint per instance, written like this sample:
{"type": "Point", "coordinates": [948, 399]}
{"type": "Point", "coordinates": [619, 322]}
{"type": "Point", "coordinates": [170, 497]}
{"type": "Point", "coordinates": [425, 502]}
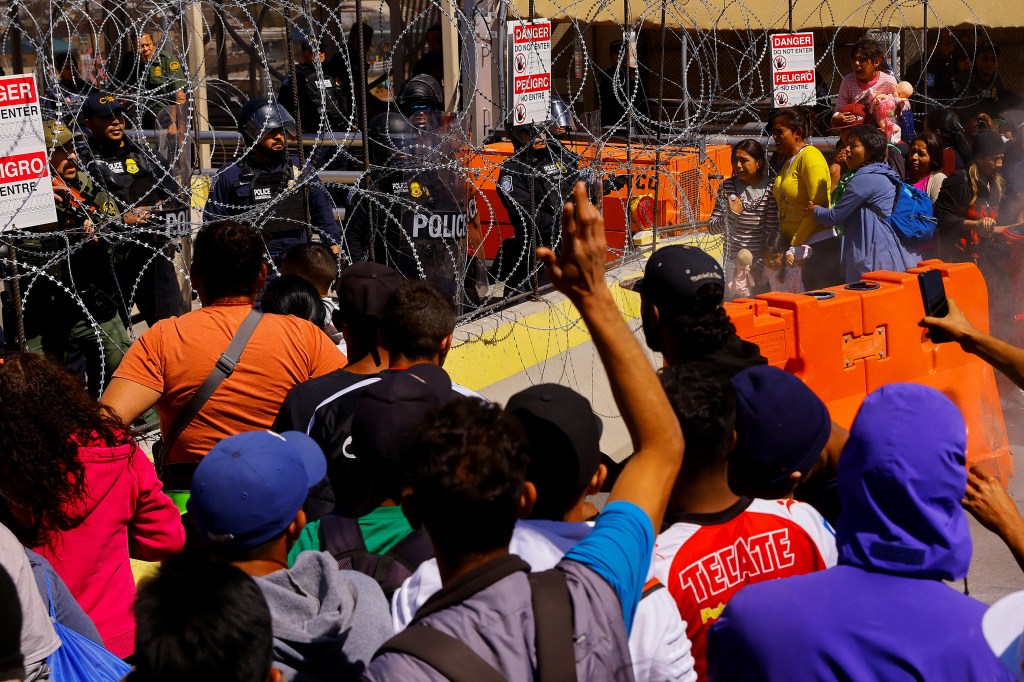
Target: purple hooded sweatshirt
{"type": "Point", "coordinates": [883, 612]}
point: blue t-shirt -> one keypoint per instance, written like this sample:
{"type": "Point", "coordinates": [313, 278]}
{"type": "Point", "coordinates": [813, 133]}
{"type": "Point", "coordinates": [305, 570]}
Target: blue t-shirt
{"type": "Point", "coordinates": [619, 550]}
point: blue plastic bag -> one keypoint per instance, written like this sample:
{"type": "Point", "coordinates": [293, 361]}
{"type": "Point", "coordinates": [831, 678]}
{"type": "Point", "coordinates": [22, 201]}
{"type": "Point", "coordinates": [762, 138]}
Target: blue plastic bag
{"type": "Point", "coordinates": [80, 659]}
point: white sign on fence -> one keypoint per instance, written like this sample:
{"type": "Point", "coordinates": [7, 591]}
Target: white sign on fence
{"type": "Point", "coordinates": [793, 69]}
{"type": "Point", "coordinates": [26, 194]}
{"type": "Point", "coordinates": [529, 71]}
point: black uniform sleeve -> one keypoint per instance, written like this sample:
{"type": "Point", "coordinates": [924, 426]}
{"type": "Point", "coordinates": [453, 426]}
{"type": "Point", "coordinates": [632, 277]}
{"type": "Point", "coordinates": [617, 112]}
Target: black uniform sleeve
{"type": "Point", "coordinates": [357, 230]}
{"type": "Point", "coordinates": [321, 210]}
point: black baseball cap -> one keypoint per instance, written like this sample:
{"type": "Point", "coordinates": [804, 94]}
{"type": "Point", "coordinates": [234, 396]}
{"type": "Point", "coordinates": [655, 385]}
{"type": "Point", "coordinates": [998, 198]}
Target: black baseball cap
{"type": "Point", "coordinates": [101, 104]}
{"type": "Point", "coordinates": [565, 440]}
{"type": "Point", "coordinates": [674, 275]}
{"type": "Point", "coordinates": [363, 289]}
{"type": "Point", "coordinates": [387, 412]}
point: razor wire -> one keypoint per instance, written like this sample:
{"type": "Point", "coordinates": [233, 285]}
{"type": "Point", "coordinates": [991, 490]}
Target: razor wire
{"type": "Point", "coordinates": [649, 111]}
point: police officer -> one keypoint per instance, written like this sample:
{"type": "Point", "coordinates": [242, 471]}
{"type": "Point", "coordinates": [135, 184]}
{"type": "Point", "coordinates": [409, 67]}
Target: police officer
{"type": "Point", "coordinates": [144, 201]}
{"type": "Point", "coordinates": [533, 185]}
{"type": "Point", "coordinates": [263, 187]}
{"type": "Point", "coordinates": [158, 76]}
{"type": "Point", "coordinates": [72, 298]}
{"type": "Point", "coordinates": [319, 98]}
{"type": "Point", "coordinates": [411, 215]}
{"type": "Point", "coordinates": [420, 100]}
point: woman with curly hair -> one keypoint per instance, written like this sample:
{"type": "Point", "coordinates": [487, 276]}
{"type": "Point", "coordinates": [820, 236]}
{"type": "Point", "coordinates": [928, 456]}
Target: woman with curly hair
{"type": "Point", "coordinates": [76, 488]}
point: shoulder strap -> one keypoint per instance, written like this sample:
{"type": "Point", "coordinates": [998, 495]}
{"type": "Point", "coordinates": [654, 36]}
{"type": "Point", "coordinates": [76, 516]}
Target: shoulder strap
{"type": "Point", "coordinates": [413, 549]}
{"type": "Point", "coordinates": [652, 586]}
{"type": "Point", "coordinates": [446, 654]}
{"type": "Point", "coordinates": [552, 615]}
{"type": "Point", "coordinates": [342, 535]}
{"type": "Point", "coordinates": [221, 370]}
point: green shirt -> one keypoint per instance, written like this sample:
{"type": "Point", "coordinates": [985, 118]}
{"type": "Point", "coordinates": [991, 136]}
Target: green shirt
{"type": "Point", "coordinates": [382, 529]}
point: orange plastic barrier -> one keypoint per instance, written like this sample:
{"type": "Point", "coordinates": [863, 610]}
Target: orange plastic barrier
{"type": "Point", "coordinates": [853, 339]}
{"type": "Point", "coordinates": [689, 182]}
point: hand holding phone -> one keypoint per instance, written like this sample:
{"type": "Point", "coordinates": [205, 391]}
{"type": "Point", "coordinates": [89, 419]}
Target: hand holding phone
{"type": "Point", "coordinates": [933, 295]}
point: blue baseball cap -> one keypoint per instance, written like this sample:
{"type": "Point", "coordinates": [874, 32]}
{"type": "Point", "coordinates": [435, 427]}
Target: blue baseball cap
{"type": "Point", "coordinates": [251, 485]}
{"type": "Point", "coordinates": [781, 427]}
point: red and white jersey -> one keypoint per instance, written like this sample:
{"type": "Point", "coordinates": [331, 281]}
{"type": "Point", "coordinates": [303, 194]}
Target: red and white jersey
{"type": "Point", "coordinates": [704, 559]}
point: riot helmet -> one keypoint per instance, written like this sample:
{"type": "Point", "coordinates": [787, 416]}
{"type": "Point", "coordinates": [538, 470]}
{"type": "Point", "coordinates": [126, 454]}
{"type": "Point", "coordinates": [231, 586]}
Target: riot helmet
{"type": "Point", "coordinates": [260, 116]}
{"type": "Point", "coordinates": [392, 139]}
{"type": "Point", "coordinates": [420, 93]}
{"type": "Point", "coordinates": [561, 118]}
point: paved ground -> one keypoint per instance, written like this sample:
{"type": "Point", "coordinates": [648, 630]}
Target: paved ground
{"type": "Point", "coordinates": [993, 572]}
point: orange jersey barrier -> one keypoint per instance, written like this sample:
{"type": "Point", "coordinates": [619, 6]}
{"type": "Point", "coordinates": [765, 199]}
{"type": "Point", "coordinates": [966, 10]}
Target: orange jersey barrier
{"type": "Point", "coordinates": [689, 181]}
{"type": "Point", "coordinates": [852, 339]}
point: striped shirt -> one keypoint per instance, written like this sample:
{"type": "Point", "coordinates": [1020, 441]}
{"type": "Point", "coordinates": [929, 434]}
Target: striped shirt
{"type": "Point", "coordinates": [749, 229]}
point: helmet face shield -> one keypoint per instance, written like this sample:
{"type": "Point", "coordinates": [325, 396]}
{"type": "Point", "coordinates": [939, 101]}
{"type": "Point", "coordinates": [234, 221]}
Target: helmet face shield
{"type": "Point", "coordinates": [561, 119]}
{"type": "Point", "coordinates": [425, 118]}
{"type": "Point", "coordinates": [393, 140]}
{"type": "Point", "coordinates": [267, 120]}
{"type": "Point", "coordinates": [421, 92]}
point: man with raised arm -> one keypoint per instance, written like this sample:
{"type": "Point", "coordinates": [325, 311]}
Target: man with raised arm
{"type": "Point", "coordinates": [469, 485]}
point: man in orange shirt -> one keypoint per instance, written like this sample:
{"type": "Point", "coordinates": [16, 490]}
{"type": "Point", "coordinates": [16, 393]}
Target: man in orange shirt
{"type": "Point", "coordinates": [170, 361]}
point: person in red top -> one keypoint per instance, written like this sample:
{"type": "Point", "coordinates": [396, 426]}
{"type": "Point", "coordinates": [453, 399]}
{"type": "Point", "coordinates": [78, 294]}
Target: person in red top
{"type": "Point", "coordinates": [714, 542]}
{"type": "Point", "coordinates": [76, 488]}
{"type": "Point", "coordinates": [171, 360]}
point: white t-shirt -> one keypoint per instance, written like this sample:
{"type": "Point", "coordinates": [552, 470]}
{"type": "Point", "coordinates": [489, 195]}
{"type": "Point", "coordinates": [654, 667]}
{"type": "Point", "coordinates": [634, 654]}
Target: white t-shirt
{"type": "Point", "coordinates": [38, 638]}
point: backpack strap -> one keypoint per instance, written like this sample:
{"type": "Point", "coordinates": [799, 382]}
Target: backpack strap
{"type": "Point", "coordinates": [223, 368]}
{"type": "Point", "coordinates": [652, 586]}
{"type": "Point", "coordinates": [446, 654]}
{"type": "Point", "coordinates": [552, 616]}
{"type": "Point", "coordinates": [342, 535]}
{"type": "Point", "coordinates": [413, 549]}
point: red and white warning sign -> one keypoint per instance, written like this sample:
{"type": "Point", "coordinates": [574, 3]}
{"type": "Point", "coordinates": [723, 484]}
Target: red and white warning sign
{"type": "Point", "coordinates": [792, 69]}
{"type": "Point", "coordinates": [26, 194]}
{"type": "Point", "coordinates": [530, 70]}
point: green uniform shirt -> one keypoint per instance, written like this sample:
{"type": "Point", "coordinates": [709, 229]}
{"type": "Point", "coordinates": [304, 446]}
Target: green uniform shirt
{"type": "Point", "coordinates": [382, 529]}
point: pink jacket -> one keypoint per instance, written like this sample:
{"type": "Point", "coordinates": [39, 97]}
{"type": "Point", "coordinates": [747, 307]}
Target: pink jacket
{"type": "Point", "coordinates": [125, 515]}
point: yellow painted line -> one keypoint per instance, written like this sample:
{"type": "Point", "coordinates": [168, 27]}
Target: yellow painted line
{"type": "Point", "coordinates": [485, 358]}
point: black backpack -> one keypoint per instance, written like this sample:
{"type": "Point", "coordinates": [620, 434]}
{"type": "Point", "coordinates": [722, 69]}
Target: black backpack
{"type": "Point", "coordinates": [344, 540]}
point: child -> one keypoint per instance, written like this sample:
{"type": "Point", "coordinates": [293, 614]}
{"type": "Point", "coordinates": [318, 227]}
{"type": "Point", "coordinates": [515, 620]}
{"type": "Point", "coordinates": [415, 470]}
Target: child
{"type": "Point", "coordinates": [865, 83]}
{"type": "Point", "coordinates": [784, 264]}
{"type": "Point", "coordinates": [315, 263]}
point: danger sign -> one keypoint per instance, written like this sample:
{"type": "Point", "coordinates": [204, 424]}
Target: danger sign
{"type": "Point", "coordinates": [530, 70]}
{"type": "Point", "coordinates": [793, 69]}
{"type": "Point", "coordinates": [26, 194]}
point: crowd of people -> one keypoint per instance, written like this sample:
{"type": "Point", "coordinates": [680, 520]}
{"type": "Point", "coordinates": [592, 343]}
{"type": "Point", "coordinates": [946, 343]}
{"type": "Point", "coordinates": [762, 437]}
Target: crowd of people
{"type": "Point", "coordinates": [806, 220]}
{"type": "Point", "coordinates": [327, 504]}
{"type": "Point", "coordinates": [323, 516]}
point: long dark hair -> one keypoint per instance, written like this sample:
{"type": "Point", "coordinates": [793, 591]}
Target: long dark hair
{"type": "Point", "coordinates": [45, 415]}
{"type": "Point", "coordinates": [796, 118]}
{"type": "Point", "coordinates": [749, 146]}
{"type": "Point", "coordinates": [932, 143]}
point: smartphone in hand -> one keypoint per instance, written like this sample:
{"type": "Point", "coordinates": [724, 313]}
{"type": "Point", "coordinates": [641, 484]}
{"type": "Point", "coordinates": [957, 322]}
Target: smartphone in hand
{"type": "Point", "coordinates": [933, 295]}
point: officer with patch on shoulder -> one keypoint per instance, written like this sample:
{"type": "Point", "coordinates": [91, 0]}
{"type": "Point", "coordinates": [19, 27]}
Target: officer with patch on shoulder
{"type": "Point", "coordinates": [158, 76]}
{"type": "Point", "coordinates": [533, 185]}
{"type": "Point", "coordinates": [72, 296]}
{"type": "Point", "coordinates": [319, 99]}
{"type": "Point", "coordinates": [412, 213]}
{"type": "Point", "coordinates": [263, 187]}
{"type": "Point", "coordinates": [144, 199]}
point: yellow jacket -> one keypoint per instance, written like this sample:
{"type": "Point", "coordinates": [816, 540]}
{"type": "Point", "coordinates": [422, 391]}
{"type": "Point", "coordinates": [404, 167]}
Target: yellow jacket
{"type": "Point", "coordinates": [803, 178]}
